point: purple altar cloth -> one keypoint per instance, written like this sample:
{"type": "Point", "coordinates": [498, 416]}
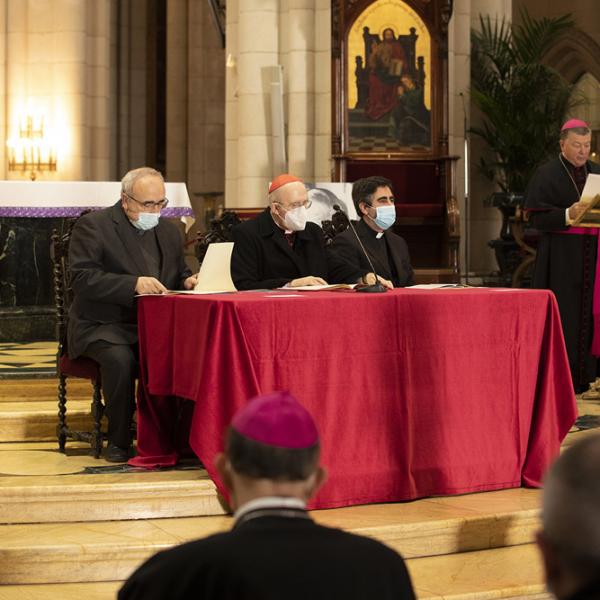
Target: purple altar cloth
{"type": "Point", "coordinates": [75, 211]}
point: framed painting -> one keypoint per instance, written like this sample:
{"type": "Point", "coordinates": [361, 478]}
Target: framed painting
{"type": "Point", "coordinates": [388, 80]}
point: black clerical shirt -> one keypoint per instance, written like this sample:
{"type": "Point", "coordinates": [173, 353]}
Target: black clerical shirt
{"type": "Point", "coordinates": [388, 253]}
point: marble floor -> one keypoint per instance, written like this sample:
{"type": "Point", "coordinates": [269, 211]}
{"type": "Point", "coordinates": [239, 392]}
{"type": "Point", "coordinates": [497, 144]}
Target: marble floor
{"type": "Point", "coordinates": [27, 360]}
{"type": "Point", "coordinates": [44, 458]}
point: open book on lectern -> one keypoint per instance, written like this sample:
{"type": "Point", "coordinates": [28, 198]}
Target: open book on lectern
{"type": "Point", "coordinates": [591, 197]}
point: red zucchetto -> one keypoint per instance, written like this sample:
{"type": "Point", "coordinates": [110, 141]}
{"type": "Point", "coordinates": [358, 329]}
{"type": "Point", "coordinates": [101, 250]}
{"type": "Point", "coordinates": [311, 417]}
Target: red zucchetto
{"type": "Point", "coordinates": [574, 124]}
{"type": "Point", "coordinates": [282, 180]}
{"type": "Point", "coordinates": [276, 419]}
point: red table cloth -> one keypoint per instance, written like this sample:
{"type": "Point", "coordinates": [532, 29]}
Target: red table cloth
{"type": "Point", "coordinates": [415, 392]}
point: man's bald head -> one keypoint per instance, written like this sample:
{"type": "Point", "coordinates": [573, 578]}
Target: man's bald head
{"type": "Point", "coordinates": [570, 539]}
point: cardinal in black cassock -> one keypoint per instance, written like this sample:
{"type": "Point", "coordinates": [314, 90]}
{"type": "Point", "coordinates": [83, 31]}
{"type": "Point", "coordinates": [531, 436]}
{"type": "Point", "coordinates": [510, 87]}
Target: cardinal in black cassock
{"type": "Point", "coordinates": [566, 259]}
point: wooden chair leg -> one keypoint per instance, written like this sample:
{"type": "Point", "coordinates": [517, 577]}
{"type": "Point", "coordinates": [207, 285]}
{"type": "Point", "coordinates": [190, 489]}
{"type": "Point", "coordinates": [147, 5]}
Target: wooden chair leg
{"type": "Point", "coordinates": [61, 429]}
{"type": "Point", "coordinates": [97, 412]}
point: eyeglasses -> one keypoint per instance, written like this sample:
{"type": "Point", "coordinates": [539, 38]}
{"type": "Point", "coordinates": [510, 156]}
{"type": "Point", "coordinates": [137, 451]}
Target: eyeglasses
{"type": "Point", "coordinates": [306, 204]}
{"type": "Point", "coordinates": [149, 204]}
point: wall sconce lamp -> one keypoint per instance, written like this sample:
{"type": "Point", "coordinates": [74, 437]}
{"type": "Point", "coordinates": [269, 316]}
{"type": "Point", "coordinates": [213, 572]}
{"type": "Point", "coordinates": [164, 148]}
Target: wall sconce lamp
{"type": "Point", "coordinates": [31, 151]}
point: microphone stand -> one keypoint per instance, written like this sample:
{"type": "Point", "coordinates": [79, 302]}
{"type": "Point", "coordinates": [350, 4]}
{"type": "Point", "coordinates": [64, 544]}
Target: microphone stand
{"type": "Point", "coordinates": [377, 287]}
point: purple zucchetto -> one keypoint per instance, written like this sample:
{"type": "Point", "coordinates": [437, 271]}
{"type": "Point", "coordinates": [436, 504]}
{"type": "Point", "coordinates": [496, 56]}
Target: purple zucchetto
{"type": "Point", "coordinates": [574, 124]}
{"type": "Point", "coordinates": [276, 419]}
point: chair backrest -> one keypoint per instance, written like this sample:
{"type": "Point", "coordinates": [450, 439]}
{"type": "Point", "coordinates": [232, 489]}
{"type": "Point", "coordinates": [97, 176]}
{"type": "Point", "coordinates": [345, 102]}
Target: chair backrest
{"type": "Point", "coordinates": [337, 224]}
{"type": "Point", "coordinates": [220, 230]}
{"type": "Point", "coordinates": [63, 294]}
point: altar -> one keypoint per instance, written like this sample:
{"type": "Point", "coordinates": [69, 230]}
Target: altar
{"type": "Point", "coordinates": [29, 211]}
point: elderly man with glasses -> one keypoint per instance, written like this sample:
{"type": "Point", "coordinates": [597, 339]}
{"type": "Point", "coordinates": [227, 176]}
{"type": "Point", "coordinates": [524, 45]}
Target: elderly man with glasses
{"type": "Point", "coordinates": [279, 247]}
{"type": "Point", "coordinates": [115, 254]}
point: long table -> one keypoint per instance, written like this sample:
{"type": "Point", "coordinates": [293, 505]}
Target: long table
{"type": "Point", "coordinates": [415, 392]}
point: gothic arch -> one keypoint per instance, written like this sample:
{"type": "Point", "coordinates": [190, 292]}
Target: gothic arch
{"type": "Point", "coordinates": [577, 53]}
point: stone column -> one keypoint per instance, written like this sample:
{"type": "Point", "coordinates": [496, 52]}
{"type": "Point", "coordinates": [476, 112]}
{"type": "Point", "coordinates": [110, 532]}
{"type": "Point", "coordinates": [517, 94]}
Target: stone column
{"type": "Point", "coordinates": [260, 36]}
{"type": "Point", "coordinates": [484, 221]}
{"type": "Point", "coordinates": [322, 121]}
{"type": "Point", "coordinates": [128, 81]}
{"type": "Point", "coordinates": [206, 110]}
{"type": "Point", "coordinates": [231, 103]}
{"type": "Point", "coordinates": [97, 123]}
{"type": "Point", "coordinates": [248, 102]}
{"type": "Point", "coordinates": [177, 90]}
{"type": "Point", "coordinates": [297, 55]}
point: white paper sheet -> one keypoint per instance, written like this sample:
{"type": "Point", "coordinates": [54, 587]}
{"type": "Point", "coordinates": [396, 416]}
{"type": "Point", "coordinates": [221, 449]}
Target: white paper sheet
{"type": "Point", "coordinates": [215, 272]}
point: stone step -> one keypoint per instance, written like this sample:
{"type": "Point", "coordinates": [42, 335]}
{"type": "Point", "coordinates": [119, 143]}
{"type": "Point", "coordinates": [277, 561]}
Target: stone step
{"type": "Point", "coordinates": [510, 573]}
{"type": "Point", "coordinates": [82, 488]}
{"type": "Point", "coordinates": [107, 497]}
{"type": "Point", "coordinates": [515, 572]}
{"type": "Point", "coordinates": [13, 390]}
{"type": "Point", "coordinates": [110, 550]}
{"type": "Point", "coordinates": [61, 591]}
{"type": "Point", "coordinates": [33, 419]}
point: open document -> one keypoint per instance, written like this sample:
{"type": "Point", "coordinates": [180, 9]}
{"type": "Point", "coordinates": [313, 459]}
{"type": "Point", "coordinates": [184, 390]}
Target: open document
{"type": "Point", "coordinates": [320, 288]}
{"type": "Point", "coordinates": [215, 272]}
{"type": "Point", "coordinates": [591, 197]}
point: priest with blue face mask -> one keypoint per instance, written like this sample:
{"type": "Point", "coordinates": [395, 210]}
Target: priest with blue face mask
{"type": "Point", "coordinates": [374, 202]}
{"type": "Point", "coordinates": [115, 254]}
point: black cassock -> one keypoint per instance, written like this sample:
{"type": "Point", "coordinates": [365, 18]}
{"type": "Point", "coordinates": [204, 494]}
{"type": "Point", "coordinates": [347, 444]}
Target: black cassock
{"type": "Point", "coordinates": [565, 264]}
{"type": "Point", "coordinates": [271, 557]}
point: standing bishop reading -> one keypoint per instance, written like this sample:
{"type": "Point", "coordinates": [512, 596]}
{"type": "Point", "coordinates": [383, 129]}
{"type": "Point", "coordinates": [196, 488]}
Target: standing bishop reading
{"type": "Point", "coordinates": [566, 261]}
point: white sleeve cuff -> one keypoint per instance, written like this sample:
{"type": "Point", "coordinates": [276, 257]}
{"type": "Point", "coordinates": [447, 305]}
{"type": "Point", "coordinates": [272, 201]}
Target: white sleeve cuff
{"type": "Point", "coordinates": [568, 220]}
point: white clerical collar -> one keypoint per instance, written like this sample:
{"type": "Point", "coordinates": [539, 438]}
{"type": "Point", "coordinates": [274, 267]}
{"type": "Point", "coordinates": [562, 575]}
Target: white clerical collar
{"type": "Point", "coordinates": [269, 502]}
{"type": "Point", "coordinates": [565, 161]}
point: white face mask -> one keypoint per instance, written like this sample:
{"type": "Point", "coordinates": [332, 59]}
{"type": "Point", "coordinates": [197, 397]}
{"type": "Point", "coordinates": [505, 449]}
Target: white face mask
{"type": "Point", "coordinates": [385, 217]}
{"type": "Point", "coordinates": [295, 219]}
{"type": "Point", "coordinates": [146, 221]}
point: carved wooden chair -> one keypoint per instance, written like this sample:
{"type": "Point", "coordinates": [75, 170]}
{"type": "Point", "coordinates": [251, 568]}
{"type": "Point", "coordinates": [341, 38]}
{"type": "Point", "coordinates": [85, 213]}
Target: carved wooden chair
{"type": "Point", "coordinates": [82, 367]}
{"type": "Point", "coordinates": [220, 230]}
{"type": "Point", "coordinates": [331, 228]}
{"type": "Point", "coordinates": [527, 238]}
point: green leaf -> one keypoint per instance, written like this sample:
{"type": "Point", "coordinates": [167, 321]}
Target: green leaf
{"type": "Point", "coordinates": [522, 100]}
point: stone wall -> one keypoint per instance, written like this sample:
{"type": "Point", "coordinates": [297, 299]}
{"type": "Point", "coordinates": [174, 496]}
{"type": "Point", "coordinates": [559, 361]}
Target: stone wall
{"type": "Point", "coordinates": [260, 36]}
{"type": "Point", "coordinates": [55, 59]}
{"type": "Point", "coordinates": [195, 151]}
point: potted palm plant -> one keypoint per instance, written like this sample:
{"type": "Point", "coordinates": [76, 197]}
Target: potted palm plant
{"type": "Point", "coordinates": [522, 102]}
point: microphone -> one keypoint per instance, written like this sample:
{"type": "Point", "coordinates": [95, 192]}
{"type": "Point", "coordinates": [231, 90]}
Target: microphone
{"type": "Point", "coordinates": [376, 288]}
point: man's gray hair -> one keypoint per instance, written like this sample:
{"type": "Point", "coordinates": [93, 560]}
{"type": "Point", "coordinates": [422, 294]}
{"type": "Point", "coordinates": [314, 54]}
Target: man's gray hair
{"type": "Point", "coordinates": [571, 508]}
{"type": "Point", "coordinates": [576, 131]}
{"type": "Point", "coordinates": [128, 181]}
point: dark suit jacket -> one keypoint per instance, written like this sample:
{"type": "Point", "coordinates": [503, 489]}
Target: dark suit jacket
{"type": "Point", "coordinates": [273, 557]}
{"type": "Point", "coordinates": [352, 264]}
{"type": "Point", "coordinates": [262, 258]}
{"type": "Point", "coordinates": [105, 260]}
